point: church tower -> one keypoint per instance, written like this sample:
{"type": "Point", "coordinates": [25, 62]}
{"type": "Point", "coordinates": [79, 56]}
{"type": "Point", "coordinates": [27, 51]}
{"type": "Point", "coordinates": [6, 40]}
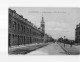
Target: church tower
{"type": "Point", "coordinates": [43, 25]}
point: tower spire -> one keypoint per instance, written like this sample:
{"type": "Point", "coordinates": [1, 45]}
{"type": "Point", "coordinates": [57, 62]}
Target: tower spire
{"type": "Point", "coordinates": [42, 19]}
{"type": "Point", "coordinates": [43, 24]}
{"type": "Point", "coordinates": [43, 27]}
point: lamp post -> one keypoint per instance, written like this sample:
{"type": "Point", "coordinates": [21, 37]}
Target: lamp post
{"type": "Point", "coordinates": [64, 41]}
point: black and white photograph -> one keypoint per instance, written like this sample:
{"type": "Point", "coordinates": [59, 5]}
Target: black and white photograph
{"type": "Point", "coordinates": [43, 31]}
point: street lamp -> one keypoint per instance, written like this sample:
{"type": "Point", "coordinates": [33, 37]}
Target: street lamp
{"type": "Point", "coordinates": [64, 41]}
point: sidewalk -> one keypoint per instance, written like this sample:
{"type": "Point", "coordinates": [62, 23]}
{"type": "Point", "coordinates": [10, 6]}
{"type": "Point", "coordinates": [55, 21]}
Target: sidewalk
{"type": "Point", "coordinates": [78, 47]}
{"type": "Point", "coordinates": [23, 49]}
{"type": "Point", "coordinates": [74, 50]}
{"type": "Point", "coordinates": [51, 49]}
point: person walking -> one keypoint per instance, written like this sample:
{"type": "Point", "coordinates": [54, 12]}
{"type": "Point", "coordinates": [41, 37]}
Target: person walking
{"type": "Point", "coordinates": [64, 41]}
{"type": "Point", "coordinates": [71, 44]}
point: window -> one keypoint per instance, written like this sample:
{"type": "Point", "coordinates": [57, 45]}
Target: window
{"type": "Point", "coordinates": [10, 16]}
{"type": "Point", "coordinates": [24, 39]}
{"type": "Point", "coordinates": [9, 39]}
{"type": "Point", "coordinates": [30, 40]}
{"type": "Point", "coordinates": [18, 26]}
{"type": "Point", "coordinates": [18, 39]}
{"type": "Point", "coordinates": [9, 23]}
{"type": "Point", "coordinates": [27, 30]}
{"type": "Point", "coordinates": [30, 31]}
{"type": "Point", "coordinates": [22, 28]}
{"type": "Point", "coordinates": [13, 39]}
{"type": "Point", "coordinates": [14, 25]}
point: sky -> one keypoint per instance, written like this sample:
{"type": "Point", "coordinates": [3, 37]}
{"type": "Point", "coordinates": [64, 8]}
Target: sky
{"type": "Point", "coordinates": [59, 21]}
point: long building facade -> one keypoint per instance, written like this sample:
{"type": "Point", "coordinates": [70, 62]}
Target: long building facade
{"type": "Point", "coordinates": [21, 31]}
{"type": "Point", "coordinates": [77, 33]}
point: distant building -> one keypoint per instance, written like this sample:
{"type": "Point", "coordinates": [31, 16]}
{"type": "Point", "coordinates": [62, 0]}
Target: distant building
{"type": "Point", "coordinates": [77, 33]}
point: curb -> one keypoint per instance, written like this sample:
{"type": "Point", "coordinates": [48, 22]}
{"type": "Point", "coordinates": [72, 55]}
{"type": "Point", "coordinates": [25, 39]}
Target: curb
{"type": "Point", "coordinates": [64, 49]}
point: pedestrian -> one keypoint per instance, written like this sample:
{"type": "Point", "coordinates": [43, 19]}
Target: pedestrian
{"type": "Point", "coordinates": [71, 44]}
{"type": "Point", "coordinates": [64, 44]}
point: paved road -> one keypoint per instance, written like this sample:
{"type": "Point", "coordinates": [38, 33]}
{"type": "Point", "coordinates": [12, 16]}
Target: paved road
{"type": "Point", "coordinates": [74, 50]}
{"type": "Point", "coordinates": [51, 49]}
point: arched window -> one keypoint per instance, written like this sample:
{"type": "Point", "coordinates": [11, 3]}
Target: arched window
{"type": "Point", "coordinates": [28, 40]}
{"type": "Point", "coordinates": [27, 30]}
{"type": "Point", "coordinates": [13, 39]}
{"type": "Point", "coordinates": [18, 39]}
{"type": "Point", "coordinates": [9, 23]}
{"type": "Point", "coordinates": [24, 39]}
{"type": "Point", "coordinates": [21, 28]}
{"type": "Point", "coordinates": [9, 40]}
{"type": "Point", "coordinates": [18, 26]}
{"type": "Point", "coordinates": [24, 29]}
{"type": "Point", "coordinates": [14, 25]}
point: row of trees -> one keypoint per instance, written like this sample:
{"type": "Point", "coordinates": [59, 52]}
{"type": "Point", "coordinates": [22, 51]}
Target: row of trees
{"type": "Point", "coordinates": [66, 41]}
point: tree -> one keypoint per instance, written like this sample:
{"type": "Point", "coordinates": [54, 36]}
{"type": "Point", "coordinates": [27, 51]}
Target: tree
{"type": "Point", "coordinates": [60, 39]}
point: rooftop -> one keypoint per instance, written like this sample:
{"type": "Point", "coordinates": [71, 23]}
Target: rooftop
{"type": "Point", "coordinates": [25, 20]}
